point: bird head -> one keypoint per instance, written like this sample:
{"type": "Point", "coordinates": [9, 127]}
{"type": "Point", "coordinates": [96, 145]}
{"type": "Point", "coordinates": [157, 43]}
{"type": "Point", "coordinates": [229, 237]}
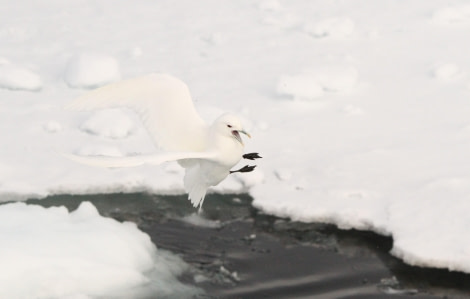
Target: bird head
{"type": "Point", "coordinates": [230, 125]}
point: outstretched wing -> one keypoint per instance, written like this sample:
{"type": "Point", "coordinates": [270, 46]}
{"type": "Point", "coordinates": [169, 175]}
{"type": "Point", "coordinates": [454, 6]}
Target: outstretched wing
{"type": "Point", "coordinates": [133, 161]}
{"type": "Point", "coordinates": [163, 103]}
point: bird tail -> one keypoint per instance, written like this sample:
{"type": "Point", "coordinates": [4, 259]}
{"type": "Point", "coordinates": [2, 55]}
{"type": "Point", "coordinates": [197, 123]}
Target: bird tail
{"type": "Point", "coordinates": [196, 186]}
{"type": "Point", "coordinates": [196, 196]}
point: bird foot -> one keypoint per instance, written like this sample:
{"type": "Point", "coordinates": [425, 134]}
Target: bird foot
{"type": "Point", "coordinates": [251, 156]}
{"type": "Point", "coordinates": [245, 168]}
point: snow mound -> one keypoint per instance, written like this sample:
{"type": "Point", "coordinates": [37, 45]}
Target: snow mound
{"type": "Point", "coordinates": [337, 28]}
{"type": "Point", "coordinates": [109, 123]}
{"type": "Point", "coordinates": [455, 15]}
{"type": "Point", "coordinates": [52, 127]}
{"type": "Point", "coordinates": [447, 72]}
{"type": "Point", "coordinates": [51, 253]}
{"type": "Point", "coordinates": [90, 70]}
{"type": "Point", "coordinates": [313, 84]}
{"type": "Point", "coordinates": [18, 78]}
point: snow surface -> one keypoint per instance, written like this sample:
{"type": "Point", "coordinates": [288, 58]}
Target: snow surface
{"type": "Point", "coordinates": [19, 78]}
{"type": "Point", "coordinates": [359, 108]}
{"type": "Point", "coordinates": [110, 123]}
{"type": "Point", "coordinates": [90, 70]}
{"type": "Point", "coordinates": [312, 84]}
{"type": "Point", "coordinates": [51, 253]}
{"type": "Point", "coordinates": [331, 28]}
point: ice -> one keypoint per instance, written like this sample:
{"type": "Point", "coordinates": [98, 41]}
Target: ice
{"type": "Point", "coordinates": [110, 123]}
{"type": "Point", "coordinates": [442, 253]}
{"type": "Point", "coordinates": [198, 220]}
{"type": "Point", "coordinates": [232, 275]}
{"type": "Point", "coordinates": [90, 70]}
{"type": "Point", "coordinates": [51, 253]}
{"type": "Point", "coordinates": [19, 78]}
{"type": "Point", "coordinates": [376, 136]}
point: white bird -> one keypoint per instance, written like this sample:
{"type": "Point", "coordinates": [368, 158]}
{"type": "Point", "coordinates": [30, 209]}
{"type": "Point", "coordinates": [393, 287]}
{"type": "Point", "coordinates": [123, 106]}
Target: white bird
{"type": "Point", "coordinates": [164, 104]}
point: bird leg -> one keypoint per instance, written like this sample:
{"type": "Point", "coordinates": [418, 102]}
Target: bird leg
{"type": "Point", "coordinates": [245, 168]}
{"type": "Point", "coordinates": [251, 156]}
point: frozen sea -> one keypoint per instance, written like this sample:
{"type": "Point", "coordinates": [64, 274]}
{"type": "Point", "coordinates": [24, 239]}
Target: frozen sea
{"type": "Point", "coordinates": [359, 108]}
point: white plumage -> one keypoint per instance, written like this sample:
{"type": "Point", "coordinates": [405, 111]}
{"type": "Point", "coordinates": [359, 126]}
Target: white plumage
{"type": "Point", "coordinates": [164, 104]}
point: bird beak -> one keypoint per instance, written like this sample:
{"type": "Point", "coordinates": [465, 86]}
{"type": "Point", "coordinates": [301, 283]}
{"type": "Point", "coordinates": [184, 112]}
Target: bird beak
{"type": "Point", "coordinates": [238, 137]}
{"type": "Point", "coordinates": [246, 133]}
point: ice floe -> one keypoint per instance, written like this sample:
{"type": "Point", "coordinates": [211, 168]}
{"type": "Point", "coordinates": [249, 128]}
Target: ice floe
{"type": "Point", "coordinates": [51, 253]}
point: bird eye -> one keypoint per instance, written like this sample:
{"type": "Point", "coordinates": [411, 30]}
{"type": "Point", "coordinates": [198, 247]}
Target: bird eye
{"type": "Point", "coordinates": [229, 126]}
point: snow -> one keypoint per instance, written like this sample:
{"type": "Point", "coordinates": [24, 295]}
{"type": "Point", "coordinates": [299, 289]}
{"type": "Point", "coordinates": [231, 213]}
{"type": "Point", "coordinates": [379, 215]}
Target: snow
{"type": "Point", "coordinates": [313, 84]}
{"type": "Point", "coordinates": [52, 126]}
{"type": "Point", "coordinates": [99, 150]}
{"type": "Point", "coordinates": [338, 28]}
{"type": "Point", "coordinates": [90, 70]}
{"type": "Point", "coordinates": [110, 123]}
{"type": "Point", "coordinates": [453, 15]}
{"type": "Point", "coordinates": [359, 108]}
{"type": "Point", "coordinates": [447, 72]}
{"type": "Point", "coordinates": [19, 78]}
{"type": "Point", "coordinates": [51, 253]}
{"type": "Point", "coordinates": [270, 5]}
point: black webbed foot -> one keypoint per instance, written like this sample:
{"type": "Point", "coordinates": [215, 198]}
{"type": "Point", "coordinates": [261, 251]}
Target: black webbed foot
{"type": "Point", "coordinates": [251, 156]}
{"type": "Point", "coordinates": [245, 168]}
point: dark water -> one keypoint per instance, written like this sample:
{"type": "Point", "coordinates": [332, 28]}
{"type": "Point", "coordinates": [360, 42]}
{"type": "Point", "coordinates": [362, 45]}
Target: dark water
{"type": "Point", "coordinates": [253, 255]}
